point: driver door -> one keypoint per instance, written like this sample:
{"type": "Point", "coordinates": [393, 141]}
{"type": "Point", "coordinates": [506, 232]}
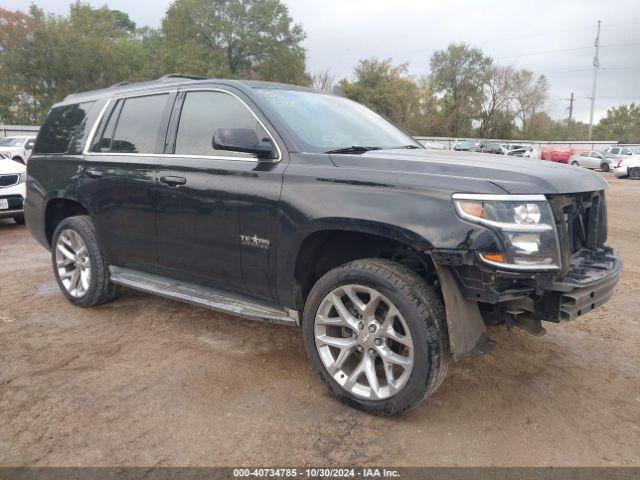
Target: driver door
{"type": "Point", "coordinates": [209, 200]}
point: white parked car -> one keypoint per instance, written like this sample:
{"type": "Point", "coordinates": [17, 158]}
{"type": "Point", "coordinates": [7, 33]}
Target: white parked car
{"type": "Point", "coordinates": [628, 167]}
{"type": "Point", "coordinates": [17, 148]}
{"type": "Point", "coordinates": [622, 152]}
{"type": "Point", "coordinates": [12, 189]}
{"type": "Point", "coordinates": [522, 150]}
{"type": "Point", "coordinates": [434, 146]}
{"type": "Point", "coordinates": [592, 159]}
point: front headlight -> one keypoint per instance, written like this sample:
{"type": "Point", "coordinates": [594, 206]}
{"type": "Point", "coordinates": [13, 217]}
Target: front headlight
{"type": "Point", "coordinates": [22, 177]}
{"type": "Point", "coordinates": [525, 224]}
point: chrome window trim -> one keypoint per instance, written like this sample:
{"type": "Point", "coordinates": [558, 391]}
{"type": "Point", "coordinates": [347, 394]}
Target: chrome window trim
{"type": "Point", "coordinates": [94, 129]}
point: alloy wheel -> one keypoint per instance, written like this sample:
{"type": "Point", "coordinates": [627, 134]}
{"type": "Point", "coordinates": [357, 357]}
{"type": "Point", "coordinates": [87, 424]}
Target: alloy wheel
{"type": "Point", "coordinates": [73, 263]}
{"type": "Point", "coordinates": [364, 342]}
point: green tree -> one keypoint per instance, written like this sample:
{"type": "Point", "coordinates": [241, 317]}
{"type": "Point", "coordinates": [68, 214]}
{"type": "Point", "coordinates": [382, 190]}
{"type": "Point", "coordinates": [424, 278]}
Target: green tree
{"type": "Point", "coordinates": [621, 124]}
{"type": "Point", "coordinates": [496, 117]}
{"type": "Point", "coordinates": [238, 38]}
{"type": "Point", "coordinates": [458, 75]}
{"type": "Point", "coordinates": [385, 89]}
{"type": "Point", "coordinates": [43, 58]}
{"type": "Point", "coordinates": [529, 97]}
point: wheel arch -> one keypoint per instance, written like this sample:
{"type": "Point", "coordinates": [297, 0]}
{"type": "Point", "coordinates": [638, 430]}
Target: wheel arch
{"type": "Point", "coordinates": [332, 242]}
{"type": "Point", "coordinates": [56, 210]}
{"type": "Point", "coordinates": [466, 328]}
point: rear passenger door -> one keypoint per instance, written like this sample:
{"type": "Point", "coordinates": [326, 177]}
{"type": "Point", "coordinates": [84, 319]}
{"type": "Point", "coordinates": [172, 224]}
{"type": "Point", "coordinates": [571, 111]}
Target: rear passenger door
{"type": "Point", "coordinates": [118, 180]}
{"type": "Point", "coordinates": [209, 200]}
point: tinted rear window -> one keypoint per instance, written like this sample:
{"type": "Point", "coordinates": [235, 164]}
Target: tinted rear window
{"type": "Point", "coordinates": [138, 124]}
{"type": "Point", "coordinates": [63, 129]}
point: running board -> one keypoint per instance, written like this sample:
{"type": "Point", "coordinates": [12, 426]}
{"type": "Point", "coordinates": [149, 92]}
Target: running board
{"type": "Point", "coordinates": [202, 296]}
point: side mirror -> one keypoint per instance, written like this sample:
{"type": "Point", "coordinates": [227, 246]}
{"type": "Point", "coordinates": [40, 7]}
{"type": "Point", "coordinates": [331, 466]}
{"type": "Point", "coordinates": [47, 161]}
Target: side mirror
{"type": "Point", "coordinates": [242, 140]}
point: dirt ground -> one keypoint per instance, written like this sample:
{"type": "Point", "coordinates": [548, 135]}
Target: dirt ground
{"type": "Point", "coordinates": [145, 381]}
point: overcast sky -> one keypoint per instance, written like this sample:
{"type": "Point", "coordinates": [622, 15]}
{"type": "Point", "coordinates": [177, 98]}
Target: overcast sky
{"type": "Point", "coordinates": [551, 37]}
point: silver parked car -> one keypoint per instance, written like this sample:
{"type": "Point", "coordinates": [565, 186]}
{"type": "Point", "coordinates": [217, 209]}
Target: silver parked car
{"type": "Point", "coordinates": [592, 159]}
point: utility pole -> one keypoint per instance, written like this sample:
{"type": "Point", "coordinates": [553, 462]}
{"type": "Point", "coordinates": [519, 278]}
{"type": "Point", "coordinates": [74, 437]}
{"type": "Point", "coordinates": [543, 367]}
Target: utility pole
{"type": "Point", "coordinates": [596, 66]}
{"type": "Point", "coordinates": [570, 115]}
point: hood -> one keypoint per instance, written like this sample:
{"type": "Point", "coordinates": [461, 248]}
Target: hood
{"type": "Point", "coordinates": [8, 167]}
{"type": "Point", "coordinates": [11, 149]}
{"type": "Point", "coordinates": [513, 175]}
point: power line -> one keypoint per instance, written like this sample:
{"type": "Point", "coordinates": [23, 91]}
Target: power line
{"type": "Point", "coordinates": [619, 98]}
{"type": "Point", "coordinates": [542, 52]}
{"type": "Point", "coordinates": [616, 45]}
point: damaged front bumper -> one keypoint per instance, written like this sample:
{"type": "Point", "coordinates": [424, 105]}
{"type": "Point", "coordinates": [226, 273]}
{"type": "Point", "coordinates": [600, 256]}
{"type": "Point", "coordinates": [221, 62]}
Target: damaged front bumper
{"type": "Point", "coordinates": [588, 283]}
{"type": "Point", "coordinates": [475, 295]}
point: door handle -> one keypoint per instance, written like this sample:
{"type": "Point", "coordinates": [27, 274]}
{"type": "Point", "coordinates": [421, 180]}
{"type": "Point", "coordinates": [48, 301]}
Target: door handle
{"type": "Point", "coordinates": [94, 173]}
{"type": "Point", "coordinates": [173, 181]}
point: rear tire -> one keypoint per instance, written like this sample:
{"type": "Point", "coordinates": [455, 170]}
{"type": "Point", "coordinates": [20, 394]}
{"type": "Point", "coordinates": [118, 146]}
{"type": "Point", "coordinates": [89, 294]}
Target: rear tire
{"type": "Point", "coordinates": [19, 219]}
{"type": "Point", "coordinates": [575, 164]}
{"type": "Point", "coordinates": [407, 324]}
{"type": "Point", "coordinates": [79, 265]}
{"type": "Point", "coordinates": [634, 173]}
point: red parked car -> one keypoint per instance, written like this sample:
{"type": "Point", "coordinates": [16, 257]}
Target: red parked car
{"type": "Point", "coordinates": [561, 156]}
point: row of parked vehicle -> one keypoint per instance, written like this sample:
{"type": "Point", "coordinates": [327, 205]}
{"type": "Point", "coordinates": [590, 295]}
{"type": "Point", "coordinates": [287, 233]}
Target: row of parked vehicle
{"type": "Point", "coordinates": [623, 161]}
{"type": "Point", "coordinates": [486, 146]}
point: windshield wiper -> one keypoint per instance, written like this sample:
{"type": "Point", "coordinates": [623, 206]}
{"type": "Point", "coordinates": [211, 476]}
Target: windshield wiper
{"type": "Point", "coordinates": [410, 147]}
{"type": "Point", "coordinates": [353, 149]}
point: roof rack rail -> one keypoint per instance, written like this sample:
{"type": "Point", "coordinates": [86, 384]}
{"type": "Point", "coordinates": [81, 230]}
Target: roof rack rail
{"type": "Point", "coordinates": [119, 84]}
{"type": "Point", "coordinates": [179, 75]}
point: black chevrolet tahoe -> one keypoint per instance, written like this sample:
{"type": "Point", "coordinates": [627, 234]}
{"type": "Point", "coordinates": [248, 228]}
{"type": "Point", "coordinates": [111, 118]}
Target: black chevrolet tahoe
{"type": "Point", "coordinates": [280, 204]}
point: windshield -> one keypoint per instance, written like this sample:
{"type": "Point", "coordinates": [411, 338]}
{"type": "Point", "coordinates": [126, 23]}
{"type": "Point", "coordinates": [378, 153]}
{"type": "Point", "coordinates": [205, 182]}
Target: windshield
{"type": "Point", "coordinates": [11, 142]}
{"type": "Point", "coordinates": [323, 123]}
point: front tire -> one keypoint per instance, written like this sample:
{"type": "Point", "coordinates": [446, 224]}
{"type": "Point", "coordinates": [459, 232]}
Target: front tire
{"type": "Point", "coordinates": [575, 164]}
{"type": "Point", "coordinates": [604, 167]}
{"type": "Point", "coordinates": [634, 173]}
{"type": "Point", "coordinates": [79, 265]}
{"type": "Point", "coordinates": [376, 334]}
{"type": "Point", "coordinates": [19, 219]}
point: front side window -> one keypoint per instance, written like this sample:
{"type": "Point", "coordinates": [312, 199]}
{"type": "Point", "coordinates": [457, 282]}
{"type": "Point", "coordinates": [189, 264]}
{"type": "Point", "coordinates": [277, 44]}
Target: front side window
{"type": "Point", "coordinates": [138, 125]}
{"type": "Point", "coordinates": [203, 113]}
{"type": "Point", "coordinates": [324, 122]}
{"type": "Point", "coordinates": [63, 129]}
